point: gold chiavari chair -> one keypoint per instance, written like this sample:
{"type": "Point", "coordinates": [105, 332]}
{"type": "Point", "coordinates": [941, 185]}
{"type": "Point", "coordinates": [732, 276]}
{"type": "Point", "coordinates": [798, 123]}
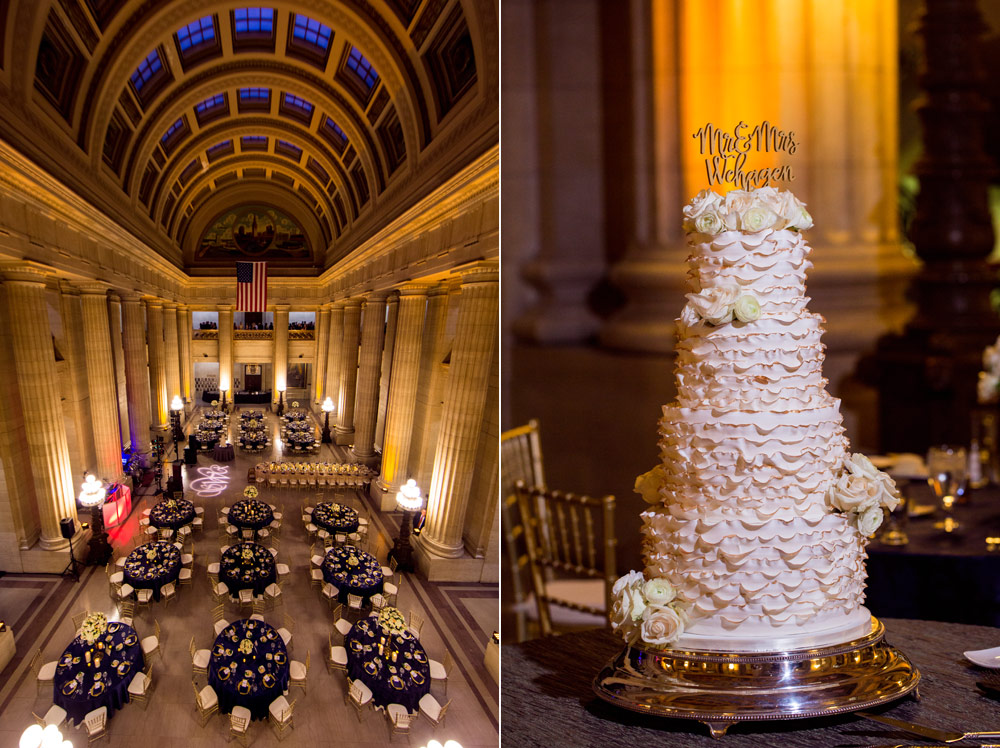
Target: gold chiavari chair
{"type": "Point", "coordinates": [563, 532]}
{"type": "Point", "coordinates": [521, 459]}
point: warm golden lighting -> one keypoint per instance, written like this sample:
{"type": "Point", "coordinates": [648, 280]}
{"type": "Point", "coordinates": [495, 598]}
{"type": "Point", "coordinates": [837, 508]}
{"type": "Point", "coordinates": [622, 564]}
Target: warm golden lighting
{"type": "Point", "coordinates": [177, 403]}
{"type": "Point", "coordinates": [328, 405]}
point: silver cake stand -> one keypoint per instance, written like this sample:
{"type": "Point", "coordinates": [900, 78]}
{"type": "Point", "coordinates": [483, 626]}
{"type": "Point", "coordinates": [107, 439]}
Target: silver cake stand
{"type": "Point", "coordinates": [721, 689]}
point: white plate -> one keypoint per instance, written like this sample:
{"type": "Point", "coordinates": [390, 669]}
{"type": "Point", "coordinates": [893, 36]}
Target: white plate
{"type": "Point", "coordinates": [984, 657]}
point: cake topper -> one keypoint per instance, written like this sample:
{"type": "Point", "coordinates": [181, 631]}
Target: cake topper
{"type": "Point", "coordinates": [726, 153]}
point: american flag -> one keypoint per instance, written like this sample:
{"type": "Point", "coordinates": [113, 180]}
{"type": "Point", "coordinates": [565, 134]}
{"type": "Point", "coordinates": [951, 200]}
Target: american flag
{"type": "Point", "coordinates": [251, 286]}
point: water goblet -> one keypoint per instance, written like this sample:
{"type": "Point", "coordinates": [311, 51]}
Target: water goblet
{"type": "Point", "coordinates": [946, 465]}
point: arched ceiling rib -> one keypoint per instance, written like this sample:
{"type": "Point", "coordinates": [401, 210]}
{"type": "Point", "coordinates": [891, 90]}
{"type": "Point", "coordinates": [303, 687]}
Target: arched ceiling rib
{"type": "Point", "coordinates": [72, 61]}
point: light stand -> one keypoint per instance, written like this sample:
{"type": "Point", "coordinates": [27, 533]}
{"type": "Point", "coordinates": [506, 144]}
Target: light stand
{"type": "Point", "coordinates": [409, 502]}
{"type": "Point", "coordinates": [92, 495]}
{"type": "Point", "coordinates": [327, 409]}
{"type": "Point", "coordinates": [281, 403]}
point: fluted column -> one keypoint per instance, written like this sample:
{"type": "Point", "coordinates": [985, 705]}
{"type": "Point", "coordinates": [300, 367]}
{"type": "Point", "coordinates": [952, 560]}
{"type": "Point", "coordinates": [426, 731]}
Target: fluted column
{"type": "Point", "coordinates": [420, 461]}
{"type": "Point", "coordinates": [369, 368]}
{"type": "Point", "coordinates": [118, 358]}
{"type": "Point", "coordinates": [226, 349]}
{"type": "Point", "coordinates": [280, 350]}
{"type": "Point", "coordinates": [136, 375]}
{"type": "Point", "coordinates": [322, 351]}
{"type": "Point", "coordinates": [101, 380]}
{"type": "Point", "coordinates": [41, 404]}
{"type": "Point", "coordinates": [462, 417]}
{"type": "Point", "coordinates": [157, 365]}
{"type": "Point", "coordinates": [184, 352]}
{"type": "Point", "coordinates": [171, 353]}
{"type": "Point", "coordinates": [348, 372]}
{"type": "Point", "coordinates": [333, 353]}
{"type": "Point", "coordinates": [391, 314]}
{"type": "Point", "coordinates": [402, 391]}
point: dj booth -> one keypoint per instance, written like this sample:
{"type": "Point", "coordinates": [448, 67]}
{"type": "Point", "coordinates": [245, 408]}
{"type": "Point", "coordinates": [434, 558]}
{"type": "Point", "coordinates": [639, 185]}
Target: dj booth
{"type": "Point", "coordinates": [117, 504]}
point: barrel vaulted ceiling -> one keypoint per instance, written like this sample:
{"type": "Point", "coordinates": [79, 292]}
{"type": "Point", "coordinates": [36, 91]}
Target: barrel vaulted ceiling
{"type": "Point", "coordinates": [168, 114]}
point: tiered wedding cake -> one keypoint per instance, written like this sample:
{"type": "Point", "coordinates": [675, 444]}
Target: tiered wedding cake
{"type": "Point", "coordinates": [756, 537]}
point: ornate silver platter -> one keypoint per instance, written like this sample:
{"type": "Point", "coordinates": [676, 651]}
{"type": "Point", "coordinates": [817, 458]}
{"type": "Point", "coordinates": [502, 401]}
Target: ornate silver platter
{"type": "Point", "coordinates": [721, 689]}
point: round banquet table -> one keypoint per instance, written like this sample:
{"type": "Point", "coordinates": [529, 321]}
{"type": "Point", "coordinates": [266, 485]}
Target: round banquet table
{"type": "Point", "coordinates": [115, 672]}
{"type": "Point", "coordinates": [363, 577]}
{"type": "Point", "coordinates": [401, 682]}
{"type": "Point", "coordinates": [301, 438]}
{"type": "Point", "coordinates": [223, 452]}
{"type": "Point", "coordinates": [252, 415]}
{"type": "Point", "coordinates": [255, 572]}
{"type": "Point", "coordinates": [171, 513]}
{"type": "Point", "coordinates": [267, 664]}
{"type": "Point", "coordinates": [250, 514]}
{"type": "Point", "coordinates": [143, 572]}
{"type": "Point", "coordinates": [294, 415]}
{"type": "Point", "coordinates": [546, 683]}
{"type": "Point", "coordinates": [298, 426]}
{"type": "Point", "coordinates": [334, 518]}
{"type": "Point", "coordinates": [207, 439]}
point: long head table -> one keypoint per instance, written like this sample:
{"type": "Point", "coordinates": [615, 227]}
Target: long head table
{"type": "Point", "coordinates": [547, 696]}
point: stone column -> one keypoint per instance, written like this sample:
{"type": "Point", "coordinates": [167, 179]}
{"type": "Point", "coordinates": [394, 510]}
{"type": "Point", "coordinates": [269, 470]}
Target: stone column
{"type": "Point", "coordinates": [428, 385]}
{"type": "Point", "coordinates": [38, 384]}
{"type": "Point", "coordinates": [184, 344]}
{"type": "Point", "coordinates": [391, 314]}
{"type": "Point", "coordinates": [158, 400]}
{"type": "Point", "coordinates": [348, 372]}
{"type": "Point", "coordinates": [462, 418]}
{"type": "Point", "coordinates": [101, 381]}
{"type": "Point", "coordinates": [136, 375]}
{"type": "Point", "coordinates": [402, 392]}
{"type": "Point", "coordinates": [226, 350]}
{"type": "Point", "coordinates": [322, 351]}
{"type": "Point", "coordinates": [118, 357]}
{"type": "Point", "coordinates": [333, 353]}
{"type": "Point", "coordinates": [280, 350]}
{"type": "Point", "coordinates": [73, 381]}
{"type": "Point", "coordinates": [369, 368]}
{"type": "Point", "coordinates": [172, 353]}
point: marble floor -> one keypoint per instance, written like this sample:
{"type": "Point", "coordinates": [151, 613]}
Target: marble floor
{"type": "Point", "coordinates": [460, 618]}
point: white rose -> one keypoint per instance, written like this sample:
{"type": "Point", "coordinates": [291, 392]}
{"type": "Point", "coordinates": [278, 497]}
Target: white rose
{"type": "Point", "coordinates": [858, 464]}
{"type": "Point", "coordinates": [805, 221]}
{"type": "Point", "coordinates": [622, 623]}
{"type": "Point", "coordinates": [632, 579]}
{"type": "Point", "coordinates": [715, 304]}
{"type": "Point", "coordinates": [853, 493]}
{"type": "Point", "coordinates": [708, 222]}
{"type": "Point", "coordinates": [788, 209]}
{"type": "Point", "coordinates": [988, 387]}
{"type": "Point", "coordinates": [758, 218]}
{"type": "Point", "coordinates": [737, 201]}
{"type": "Point", "coordinates": [689, 317]}
{"type": "Point", "coordinates": [648, 484]}
{"type": "Point", "coordinates": [661, 624]}
{"type": "Point", "coordinates": [746, 308]}
{"type": "Point", "coordinates": [870, 520]}
{"type": "Point", "coordinates": [705, 201]}
{"type": "Point", "coordinates": [890, 497]}
{"type": "Point", "coordinates": [659, 592]}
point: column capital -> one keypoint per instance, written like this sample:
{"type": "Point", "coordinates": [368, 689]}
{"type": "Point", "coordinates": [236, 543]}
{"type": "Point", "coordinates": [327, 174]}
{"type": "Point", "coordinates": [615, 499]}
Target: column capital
{"type": "Point", "coordinates": [152, 302]}
{"type": "Point", "coordinates": [115, 297]}
{"type": "Point", "coordinates": [131, 297]}
{"type": "Point", "coordinates": [324, 308]}
{"type": "Point", "coordinates": [353, 301]}
{"type": "Point", "coordinates": [25, 271]}
{"type": "Point", "coordinates": [170, 306]}
{"type": "Point", "coordinates": [67, 289]}
{"type": "Point", "coordinates": [225, 307]}
{"type": "Point", "coordinates": [282, 307]}
{"type": "Point", "coordinates": [439, 290]}
{"type": "Point", "coordinates": [182, 307]}
{"type": "Point", "coordinates": [92, 288]}
{"type": "Point", "coordinates": [416, 289]}
{"type": "Point", "coordinates": [370, 296]}
{"type": "Point", "coordinates": [480, 272]}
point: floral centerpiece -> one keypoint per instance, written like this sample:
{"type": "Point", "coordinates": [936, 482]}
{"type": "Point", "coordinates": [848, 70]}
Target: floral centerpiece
{"type": "Point", "coordinates": [150, 553]}
{"type": "Point", "coordinates": [863, 491]}
{"type": "Point", "coordinates": [295, 404]}
{"type": "Point", "coordinates": [988, 389]}
{"type": "Point", "coordinates": [171, 504]}
{"type": "Point", "coordinates": [250, 492]}
{"type": "Point", "coordinates": [392, 620]}
{"type": "Point", "coordinates": [647, 610]}
{"type": "Point", "coordinates": [352, 560]}
{"type": "Point", "coordinates": [247, 553]}
{"type": "Point", "coordinates": [93, 626]}
{"type": "Point", "coordinates": [246, 647]}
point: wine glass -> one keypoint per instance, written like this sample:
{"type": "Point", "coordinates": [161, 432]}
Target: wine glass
{"type": "Point", "coordinates": [946, 466]}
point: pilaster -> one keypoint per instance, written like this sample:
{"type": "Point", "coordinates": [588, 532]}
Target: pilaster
{"type": "Point", "coordinates": [184, 343]}
{"type": "Point", "coordinates": [322, 351]}
{"type": "Point", "coordinates": [118, 359]}
{"type": "Point", "coordinates": [391, 314]}
{"type": "Point", "coordinates": [333, 353]}
{"type": "Point", "coordinates": [226, 349]}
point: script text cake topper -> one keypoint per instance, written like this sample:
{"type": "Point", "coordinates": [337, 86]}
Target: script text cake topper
{"type": "Point", "coordinates": [726, 153]}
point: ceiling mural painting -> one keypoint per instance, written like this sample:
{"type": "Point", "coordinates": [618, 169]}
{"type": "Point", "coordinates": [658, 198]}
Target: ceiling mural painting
{"type": "Point", "coordinates": [257, 231]}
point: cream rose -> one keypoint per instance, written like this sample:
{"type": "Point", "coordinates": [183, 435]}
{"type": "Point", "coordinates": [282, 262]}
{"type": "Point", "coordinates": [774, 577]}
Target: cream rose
{"type": "Point", "coordinates": [659, 592]}
{"type": "Point", "coordinates": [853, 493]}
{"type": "Point", "coordinates": [805, 221]}
{"type": "Point", "coordinates": [890, 497]}
{"type": "Point", "coordinates": [870, 520]}
{"type": "Point", "coordinates": [715, 304]}
{"type": "Point", "coordinates": [632, 579]}
{"type": "Point", "coordinates": [661, 624]}
{"type": "Point", "coordinates": [746, 308]}
{"type": "Point", "coordinates": [988, 387]}
{"type": "Point", "coordinates": [648, 484]}
{"type": "Point", "coordinates": [758, 218]}
{"type": "Point", "coordinates": [704, 202]}
{"type": "Point", "coordinates": [708, 222]}
{"type": "Point", "coordinates": [858, 464]}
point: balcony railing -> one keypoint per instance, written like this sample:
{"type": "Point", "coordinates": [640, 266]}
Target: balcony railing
{"type": "Point", "coordinates": [253, 334]}
{"type": "Point", "coordinates": [301, 334]}
{"type": "Point", "coordinates": [205, 335]}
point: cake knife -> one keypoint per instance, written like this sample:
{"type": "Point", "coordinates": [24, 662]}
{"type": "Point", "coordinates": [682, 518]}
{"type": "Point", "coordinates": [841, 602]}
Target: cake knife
{"type": "Point", "coordinates": [946, 736]}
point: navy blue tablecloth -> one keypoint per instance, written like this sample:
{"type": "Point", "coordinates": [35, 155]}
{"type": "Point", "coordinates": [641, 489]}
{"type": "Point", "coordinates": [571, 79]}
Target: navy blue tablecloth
{"type": "Point", "coordinates": [267, 664]}
{"type": "Point", "coordinates": [402, 681]}
{"type": "Point", "coordinates": [118, 665]}
{"type": "Point", "coordinates": [171, 513]}
{"type": "Point", "coordinates": [251, 514]}
{"type": "Point", "coordinates": [145, 573]}
{"type": "Point", "coordinates": [362, 577]}
{"type": "Point", "coordinates": [243, 574]}
{"type": "Point", "coordinates": [334, 518]}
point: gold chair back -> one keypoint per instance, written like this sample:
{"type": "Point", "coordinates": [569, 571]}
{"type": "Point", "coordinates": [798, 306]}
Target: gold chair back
{"type": "Point", "coordinates": [571, 535]}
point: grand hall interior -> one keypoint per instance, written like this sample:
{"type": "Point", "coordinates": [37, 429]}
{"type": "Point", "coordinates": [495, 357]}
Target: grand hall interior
{"type": "Point", "coordinates": [883, 120]}
{"type": "Point", "coordinates": [249, 340]}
